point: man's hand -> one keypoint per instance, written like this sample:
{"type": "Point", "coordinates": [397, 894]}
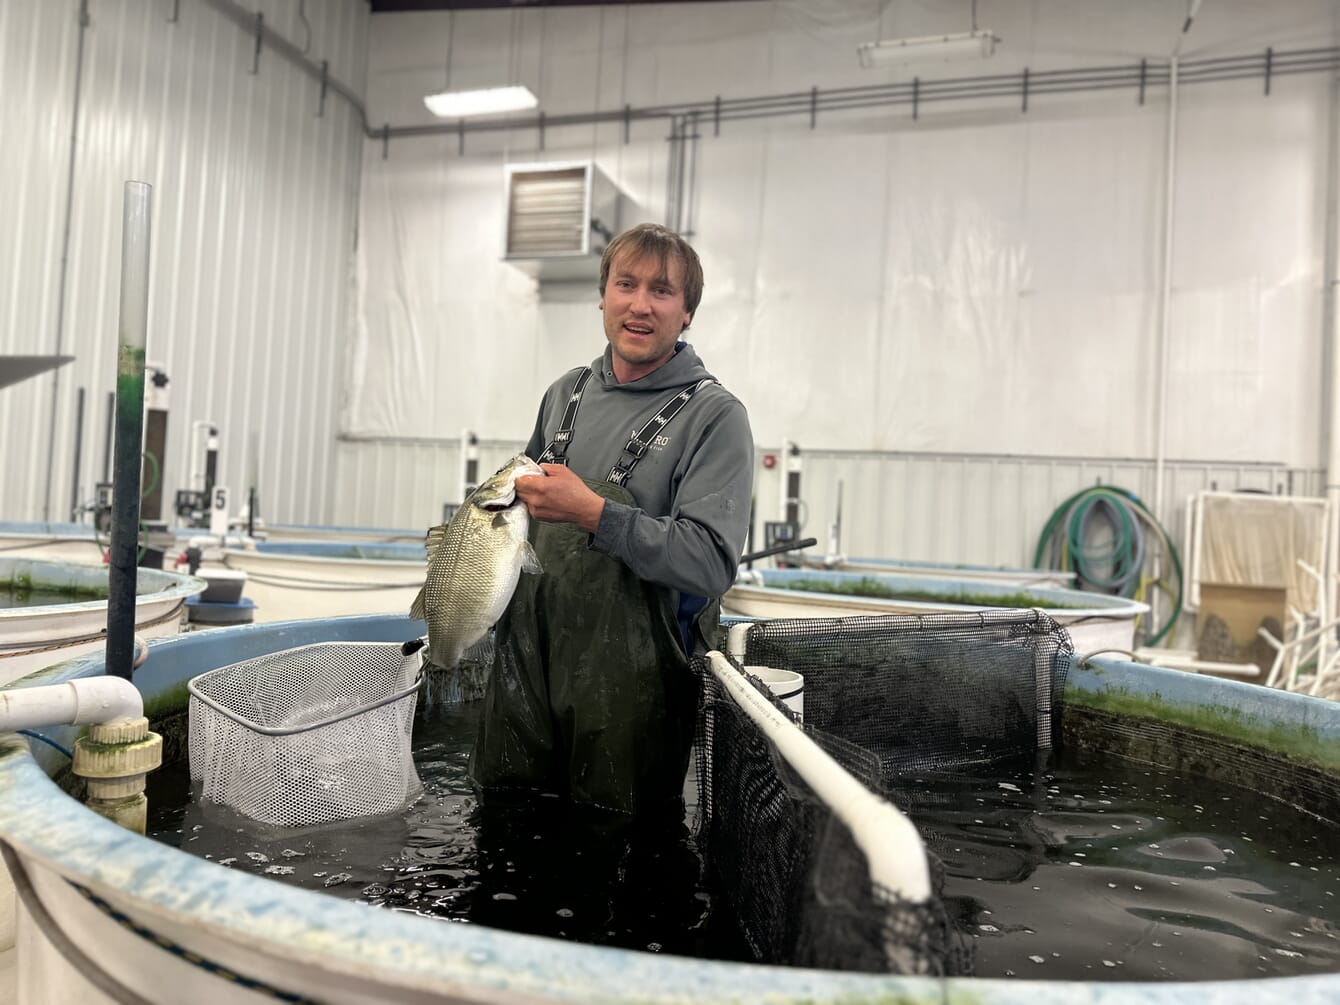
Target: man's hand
{"type": "Point", "coordinates": [561, 498]}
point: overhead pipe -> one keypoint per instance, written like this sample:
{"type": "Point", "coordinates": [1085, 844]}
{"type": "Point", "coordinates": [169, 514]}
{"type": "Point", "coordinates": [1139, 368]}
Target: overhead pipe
{"type": "Point", "coordinates": [1136, 77]}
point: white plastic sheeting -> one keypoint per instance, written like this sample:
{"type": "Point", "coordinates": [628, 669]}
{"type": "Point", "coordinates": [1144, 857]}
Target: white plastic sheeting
{"type": "Point", "coordinates": [978, 280]}
{"type": "Point", "coordinates": [253, 233]}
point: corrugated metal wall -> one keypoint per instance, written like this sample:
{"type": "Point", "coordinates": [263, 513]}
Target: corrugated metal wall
{"type": "Point", "coordinates": [254, 199]}
{"type": "Point", "coordinates": [975, 508]}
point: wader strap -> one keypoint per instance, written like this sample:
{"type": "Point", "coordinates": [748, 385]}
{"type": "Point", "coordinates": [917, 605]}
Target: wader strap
{"type": "Point", "coordinates": [556, 451]}
{"type": "Point", "coordinates": [643, 438]}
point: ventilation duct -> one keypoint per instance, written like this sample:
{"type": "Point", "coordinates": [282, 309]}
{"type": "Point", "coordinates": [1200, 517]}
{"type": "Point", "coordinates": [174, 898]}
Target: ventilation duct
{"type": "Point", "coordinates": [560, 216]}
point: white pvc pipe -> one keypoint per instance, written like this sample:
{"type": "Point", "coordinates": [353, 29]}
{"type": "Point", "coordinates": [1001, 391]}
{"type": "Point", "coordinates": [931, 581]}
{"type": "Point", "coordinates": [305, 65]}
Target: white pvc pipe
{"type": "Point", "coordinates": [134, 318]}
{"type": "Point", "coordinates": [1165, 313]}
{"type": "Point", "coordinates": [73, 703]}
{"type": "Point", "coordinates": [889, 840]}
{"type": "Point", "coordinates": [737, 641]}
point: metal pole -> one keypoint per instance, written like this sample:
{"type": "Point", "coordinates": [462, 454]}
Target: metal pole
{"type": "Point", "coordinates": [78, 453]}
{"type": "Point", "coordinates": [1165, 324]}
{"type": "Point", "coordinates": [65, 247]}
{"type": "Point", "coordinates": [131, 335]}
{"type": "Point", "coordinates": [1331, 340]}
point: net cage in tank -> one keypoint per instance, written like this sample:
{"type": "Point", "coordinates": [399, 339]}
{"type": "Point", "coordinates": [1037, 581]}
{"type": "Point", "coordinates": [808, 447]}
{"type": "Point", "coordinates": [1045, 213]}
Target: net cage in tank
{"type": "Point", "coordinates": [894, 700]}
{"type": "Point", "coordinates": [308, 735]}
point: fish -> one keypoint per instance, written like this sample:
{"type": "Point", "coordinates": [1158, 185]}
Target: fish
{"type": "Point", "coordinates": [474, 564]}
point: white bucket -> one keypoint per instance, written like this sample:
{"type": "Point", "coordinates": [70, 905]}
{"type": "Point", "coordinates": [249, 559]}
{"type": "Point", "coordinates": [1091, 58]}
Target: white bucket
{"type": "Point", "coordinates": [787, 685]}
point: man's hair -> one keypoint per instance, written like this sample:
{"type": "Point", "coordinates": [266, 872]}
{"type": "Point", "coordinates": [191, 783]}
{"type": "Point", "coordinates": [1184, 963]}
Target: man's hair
{"type": "Point", "coordinates": [653, 239]}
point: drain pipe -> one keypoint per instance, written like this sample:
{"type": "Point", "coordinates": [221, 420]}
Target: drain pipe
{"type": "Point", "coordinates": [74, 703]}
{"type": "Point", "coordinates": [118, 751]}
{"type": "Point", "coordinates": [1331, 339]}
{"type": "Point", "coordinates": [131, 336]}
{"type": "Point", "coordinates": [1165, 293]}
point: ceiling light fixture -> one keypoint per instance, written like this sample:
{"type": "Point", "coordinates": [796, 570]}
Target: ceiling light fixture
{"type": "Point", "coordinates": [927, 49]}
{"type": "Point", "coordinates": [485, 101]}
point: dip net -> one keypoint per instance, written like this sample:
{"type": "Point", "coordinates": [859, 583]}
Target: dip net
{"type": "Point", "coordinates": [896, 701]}
{"type": "Point", "coordinates": [308, 735]}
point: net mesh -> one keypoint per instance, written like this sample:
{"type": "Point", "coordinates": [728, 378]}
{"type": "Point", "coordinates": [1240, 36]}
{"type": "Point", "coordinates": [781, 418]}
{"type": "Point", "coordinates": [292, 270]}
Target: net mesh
{"type": "Point", "coordinates": [893, 700]}
{"type": "Point", "coordinates": [307, 735]}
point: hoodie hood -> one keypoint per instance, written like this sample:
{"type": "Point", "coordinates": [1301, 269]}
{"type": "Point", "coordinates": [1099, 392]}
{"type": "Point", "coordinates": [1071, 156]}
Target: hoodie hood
{"type": "Point", "coordinates": [684, 367]}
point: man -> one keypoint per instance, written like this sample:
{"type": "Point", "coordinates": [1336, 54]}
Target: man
{"type": "Point", "coordinates": [639, 527]}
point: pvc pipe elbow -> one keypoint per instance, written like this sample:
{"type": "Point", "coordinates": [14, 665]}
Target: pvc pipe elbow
{"type": "Point", "coordinates": [76, 702]}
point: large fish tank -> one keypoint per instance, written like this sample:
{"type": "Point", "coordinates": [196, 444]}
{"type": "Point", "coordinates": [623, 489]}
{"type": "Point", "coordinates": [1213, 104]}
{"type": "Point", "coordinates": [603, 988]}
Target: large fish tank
{"type": "Point", "coordinates": [1095, 621]}
{"type": "Point", "coordinates": [157, 919]}
{"type": "Point", "coordinates": [52, 611]}
{"type": "Point", "coordinates": [289, 580]}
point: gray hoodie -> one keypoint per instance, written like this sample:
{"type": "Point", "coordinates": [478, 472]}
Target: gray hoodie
{"type": "Point", "coordinates": [692, 487]}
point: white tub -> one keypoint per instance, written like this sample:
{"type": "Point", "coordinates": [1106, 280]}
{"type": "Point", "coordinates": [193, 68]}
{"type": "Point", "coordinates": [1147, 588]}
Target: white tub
{"type": "Point", "coordinates": [35, 637]}
{"type": "Point", "coordinates": [52, 542]}
{"type": "Point", "coordinates": [329, 579]}
{"type": "Point", "coordinates": [1095, 622]}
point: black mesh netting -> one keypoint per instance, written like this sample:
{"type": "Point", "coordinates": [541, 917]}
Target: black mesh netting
{"type": "Point", "coordinates": [894, 700]}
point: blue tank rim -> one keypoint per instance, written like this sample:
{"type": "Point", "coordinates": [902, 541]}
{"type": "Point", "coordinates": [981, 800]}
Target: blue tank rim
{"type": "Point", "coordinates": [38, 818]}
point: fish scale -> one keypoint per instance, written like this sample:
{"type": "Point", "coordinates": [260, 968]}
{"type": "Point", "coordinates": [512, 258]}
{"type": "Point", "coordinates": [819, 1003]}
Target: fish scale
{"type": "Point", "coordinates": [474, 563]}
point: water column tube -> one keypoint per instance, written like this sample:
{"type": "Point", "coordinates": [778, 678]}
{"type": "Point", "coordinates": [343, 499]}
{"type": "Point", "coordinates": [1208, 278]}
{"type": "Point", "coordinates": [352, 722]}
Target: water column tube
{"type": "Point", "coordinates": [132, 331]}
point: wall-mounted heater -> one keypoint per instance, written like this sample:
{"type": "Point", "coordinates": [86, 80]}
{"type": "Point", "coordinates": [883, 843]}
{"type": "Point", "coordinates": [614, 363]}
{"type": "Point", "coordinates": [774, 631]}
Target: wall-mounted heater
{"type": "Point", "coordinates": [927, 49]}
{"type": "Point", "coordinates": [560, 216]}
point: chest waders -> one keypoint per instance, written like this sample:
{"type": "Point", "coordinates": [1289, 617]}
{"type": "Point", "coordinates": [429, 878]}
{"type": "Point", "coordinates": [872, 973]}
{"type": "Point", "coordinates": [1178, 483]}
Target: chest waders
{"type": "Point", "coordinates": [591, 694]}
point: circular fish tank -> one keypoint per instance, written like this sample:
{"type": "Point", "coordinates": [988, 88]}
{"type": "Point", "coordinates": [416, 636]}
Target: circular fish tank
{"type": "Point", "coordinates": [1095, 621]}
{"type": "Point", "coordinates": [290, 580]}
{"type": "Point", "coordinates": [153, 917]}
{"type": "Point", "coordinates": [53, 611]}
{"type": "Point", "coordinates": [1004, 575]}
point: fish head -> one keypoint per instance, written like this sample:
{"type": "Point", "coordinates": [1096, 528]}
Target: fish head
{"type": "Point", "coordinates": [498, 492]}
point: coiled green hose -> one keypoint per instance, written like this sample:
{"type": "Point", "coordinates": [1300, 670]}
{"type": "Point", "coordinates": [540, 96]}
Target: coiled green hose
{"type": "Point", "coordinates": [1119, 567]}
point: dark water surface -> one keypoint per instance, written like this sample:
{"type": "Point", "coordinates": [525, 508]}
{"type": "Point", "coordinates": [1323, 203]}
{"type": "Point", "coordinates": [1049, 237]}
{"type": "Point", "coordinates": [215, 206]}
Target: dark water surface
{"type": "Point", "coordinates": [536, 866]}
{"type": "Point", "coordinates": [1094, 872]}
{"type": "Point", "coordinates": [1114, 872]}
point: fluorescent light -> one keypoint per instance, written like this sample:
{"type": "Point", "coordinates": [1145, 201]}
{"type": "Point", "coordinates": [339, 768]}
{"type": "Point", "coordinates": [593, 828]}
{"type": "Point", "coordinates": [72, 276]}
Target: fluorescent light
{"type": "Point", "coordinates": [927, 49]}
{"type": "Point", "coordinates": [489, 100]}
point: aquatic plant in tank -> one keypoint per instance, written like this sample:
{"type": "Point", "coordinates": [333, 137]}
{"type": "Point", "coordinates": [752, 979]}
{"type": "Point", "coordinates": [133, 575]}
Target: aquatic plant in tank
{"type": "Point", "coordinates": [869, 586]}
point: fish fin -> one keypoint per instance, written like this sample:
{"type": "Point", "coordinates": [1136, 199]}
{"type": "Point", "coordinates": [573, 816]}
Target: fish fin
{"type": "Point", "coordinates": [434, 539]}
{"type": "Point", "coordinates": [530, 562]}
{"type": "Point", "coordinates": [416, 609]}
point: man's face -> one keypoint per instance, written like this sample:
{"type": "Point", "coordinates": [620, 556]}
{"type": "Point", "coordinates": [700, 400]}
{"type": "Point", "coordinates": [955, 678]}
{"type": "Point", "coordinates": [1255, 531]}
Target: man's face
{"type": "Point", "coordinates": [644, 312]}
